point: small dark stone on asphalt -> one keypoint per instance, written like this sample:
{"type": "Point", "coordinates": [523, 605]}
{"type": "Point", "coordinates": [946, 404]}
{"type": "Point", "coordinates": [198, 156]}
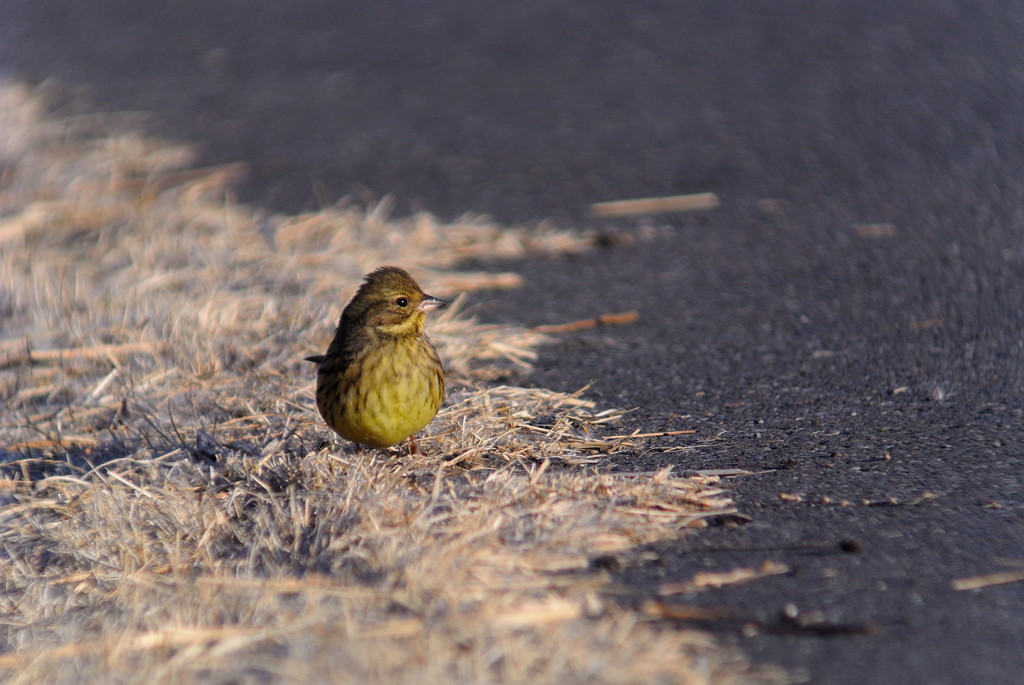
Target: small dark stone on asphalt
{"type": "Point", "coordinates": [851, 545]}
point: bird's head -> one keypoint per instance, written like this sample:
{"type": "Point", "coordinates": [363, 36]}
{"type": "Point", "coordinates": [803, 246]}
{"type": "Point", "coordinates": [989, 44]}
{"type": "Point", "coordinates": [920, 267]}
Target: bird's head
{"type": "Point", "coordinates": [391, 303]}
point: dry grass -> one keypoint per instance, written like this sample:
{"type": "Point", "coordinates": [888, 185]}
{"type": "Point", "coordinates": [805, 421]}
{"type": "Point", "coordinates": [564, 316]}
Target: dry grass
{"type": "Point", "coordinates": [173, 510]}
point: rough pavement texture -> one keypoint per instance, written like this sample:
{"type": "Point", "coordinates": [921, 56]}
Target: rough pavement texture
{"type": "Point", "coordinates": [884, 372]}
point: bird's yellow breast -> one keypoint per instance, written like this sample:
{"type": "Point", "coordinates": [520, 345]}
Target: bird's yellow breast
{"type": "Point", "coordinates": [388, 393]}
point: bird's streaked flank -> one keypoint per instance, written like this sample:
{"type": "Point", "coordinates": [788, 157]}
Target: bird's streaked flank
{"type": "Point", "coordinates": [381, 380]}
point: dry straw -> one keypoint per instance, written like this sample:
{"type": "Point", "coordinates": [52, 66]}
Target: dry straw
{"type": "Point", "coordinates": [173, 510]}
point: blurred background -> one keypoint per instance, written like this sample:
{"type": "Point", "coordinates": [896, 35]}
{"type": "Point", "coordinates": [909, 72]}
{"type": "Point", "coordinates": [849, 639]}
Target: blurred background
{"type": "Point", "coordinates": [533, 110]}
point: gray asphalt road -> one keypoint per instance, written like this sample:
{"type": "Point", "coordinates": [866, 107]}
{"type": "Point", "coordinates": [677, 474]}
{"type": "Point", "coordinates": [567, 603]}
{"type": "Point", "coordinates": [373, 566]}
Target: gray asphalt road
{"type": "Point", "coordinates": [876, 382]}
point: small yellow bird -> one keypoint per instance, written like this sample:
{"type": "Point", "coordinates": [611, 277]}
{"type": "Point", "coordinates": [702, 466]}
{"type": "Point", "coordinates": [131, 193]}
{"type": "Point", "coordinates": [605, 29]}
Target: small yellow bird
{"type": "Point", "coordinates": [381, 380]}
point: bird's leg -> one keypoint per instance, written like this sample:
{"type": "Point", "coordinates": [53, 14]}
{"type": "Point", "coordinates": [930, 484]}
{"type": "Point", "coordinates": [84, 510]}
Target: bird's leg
{"type": "Point", "coordinates": [414, 447]}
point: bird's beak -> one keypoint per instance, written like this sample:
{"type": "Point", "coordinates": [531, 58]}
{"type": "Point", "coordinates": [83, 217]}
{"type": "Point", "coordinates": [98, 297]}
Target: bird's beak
{"type": "Point", "coordinates": [430, 302]}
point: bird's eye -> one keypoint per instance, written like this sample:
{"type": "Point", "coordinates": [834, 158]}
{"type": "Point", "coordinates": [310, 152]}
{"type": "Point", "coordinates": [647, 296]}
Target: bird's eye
{"type": "Point", "coordinates": [402, 302]}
